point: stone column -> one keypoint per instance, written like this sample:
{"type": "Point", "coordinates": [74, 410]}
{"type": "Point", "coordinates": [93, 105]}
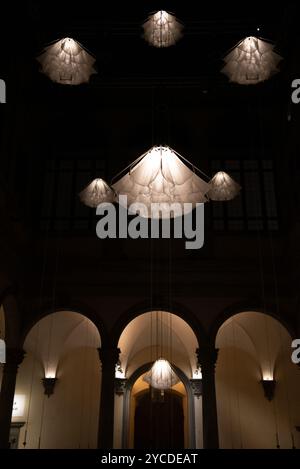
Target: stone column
{"type": "Point", "coordinates": [14, 358]}
{"type": "Point", "coordinates": [109, 358]}
{"type": "Point", "coordinates": [207, 357]}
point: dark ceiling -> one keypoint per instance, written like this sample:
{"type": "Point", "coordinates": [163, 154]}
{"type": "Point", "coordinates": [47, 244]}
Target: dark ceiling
{"type": "Point", "coordinates": [142, 95]}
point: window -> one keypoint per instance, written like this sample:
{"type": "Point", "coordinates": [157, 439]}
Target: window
{"type": "Point", "coordinates": [255, 207]}
{"type": "Point", "coordinates": [65, 177]}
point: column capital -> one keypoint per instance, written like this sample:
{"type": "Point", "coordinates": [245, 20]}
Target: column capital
{"type": "Point", "coordinates": [207, 356]}
{"type": "Point", "coordinates": [120, 385]}
{"type": "Point", "coordinates": [14, 358]}
{"type": "Point", "coordinates": [109, 355]}
{"type": "Point", "coordinates": [196, 385]}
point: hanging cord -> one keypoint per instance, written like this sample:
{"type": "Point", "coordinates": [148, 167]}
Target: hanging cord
{"type": "Point", "coordinates": [170, 345]}
{"type": "Point", "coordinates": [160, 334]}
{"type": "Point", "coordinates": [83, 381]}
{"type": "Point", "coordinates": [237, 393]}
{"type": "Point", "coordinates": [258, 207]}
{"type": "Point", "coordinates": [151, 240]}
{"type": "Point", "coordinates": [170, 334]}
{"type": "Point", "coordinates": [270, 238]}
{"type": "Point", "coordinates": [130, 166]}
{"type": "Point", "coordinates": [271, 370]}
{"type": "Point", "coordinates": [44, 396]}
{"type": "Point", "coordinates": [157, 336]}
{"type": "Point", "coordinates": [135, 163]}
{"type": "Point", "coordinates": [230, 395]}
{"type": "Point", "coordinates": [34, 365]}
{"type": "Point", "coordinates": [263, 292]}
{"type": "Point", "coordinates": [90, 400]}
{"type": "Point", "coordinates": [50, 340]}
{"type": "Point", "coordinates": [286, 388]}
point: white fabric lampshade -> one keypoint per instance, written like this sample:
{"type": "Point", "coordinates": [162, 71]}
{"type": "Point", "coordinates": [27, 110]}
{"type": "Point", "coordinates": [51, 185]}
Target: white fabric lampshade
{"type": "Point", "coordinates": [161, 375]}
{"type": "Point", "coordinates": [159, 176]}
{"type": "Point", "coordinates": [251, 61]}
{"type": "Point", "coordinates": [223, 187]}
{"type": "Point", "coordinates": [66, 62]}
{"type": "Point", "coordinates": [97, 192]}
{"type": "Point", "coordinates": [162, 29]}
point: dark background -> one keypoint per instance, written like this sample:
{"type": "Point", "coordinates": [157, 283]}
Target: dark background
{"type": "Point", "coordinates": [55, 139]}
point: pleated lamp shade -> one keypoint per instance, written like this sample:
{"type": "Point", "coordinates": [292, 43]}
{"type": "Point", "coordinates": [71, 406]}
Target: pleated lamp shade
{"type": "Point", "coordinates": [251, 61]}
{"type": "Point", "coordinates": [160, 177]}
{"type": "Point", "coordinates": [66, 62]}
{"type": "Point", "coordinates": [97, 192]}
{"type": "Point", "coordinates": [161, 375]}
{"type": "Point", "coordinates": [223, 187]}
{"type": "Point", "coordinates": [162, 29]}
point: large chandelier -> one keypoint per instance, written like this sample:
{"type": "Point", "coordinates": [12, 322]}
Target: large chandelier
{"type": "Point", "coordinates": [66, 62]}
{"type": "Point", "coordinates": [223, 187]}
{"type": "Point", "coordinates": [160, 176]}
{"type": "Point", "coordinates": [161, 375]}
{"type": "Point", "coordinates": [251, 61]}
{"type": "Point", "coordinates": [97, 192]}
{"type": "Point", "coordinates": [162, 29]}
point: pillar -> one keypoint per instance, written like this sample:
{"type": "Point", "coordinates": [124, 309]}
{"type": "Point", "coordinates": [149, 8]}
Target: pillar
{"type": "Point", "coordinates": [207, 357]}
{"type": "Point", "coordinates": [14, 358]}
{"type": "Point", "coordinates": [109, 357]}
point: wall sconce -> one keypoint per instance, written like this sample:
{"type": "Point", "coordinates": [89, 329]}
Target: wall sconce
{"type": "Point", "coordinates": [269, 388]}
{"type": "Point", "coordinates": [49, 385]}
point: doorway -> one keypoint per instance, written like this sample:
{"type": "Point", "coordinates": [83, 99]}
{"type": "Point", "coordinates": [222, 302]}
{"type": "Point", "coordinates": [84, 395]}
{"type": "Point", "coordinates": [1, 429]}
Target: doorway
{"type": "Point", "coordinates": [159, 420]}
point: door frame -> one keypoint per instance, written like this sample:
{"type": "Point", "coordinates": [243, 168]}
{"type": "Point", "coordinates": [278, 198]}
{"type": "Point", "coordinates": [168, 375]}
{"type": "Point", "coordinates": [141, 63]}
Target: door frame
{"type": "Point", "coordinates": [190, 404]}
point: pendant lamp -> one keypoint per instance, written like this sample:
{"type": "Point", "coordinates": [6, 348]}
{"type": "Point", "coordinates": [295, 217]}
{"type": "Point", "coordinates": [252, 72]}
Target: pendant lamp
{"type": "Point", "coordinates": [162, 176]}
{"type": "Point", "coordinates": [161, 375]}
{"type": "Point", "coordinates": [223, 187]}
{"type": "Point", "coordinates": [98, 191]}
{"type": "Point", "coordinates": [251, 61]}
{"type": "Point", "coordinates": [67, 62]}
{"type": "Point", "coordinates": [162, 29]}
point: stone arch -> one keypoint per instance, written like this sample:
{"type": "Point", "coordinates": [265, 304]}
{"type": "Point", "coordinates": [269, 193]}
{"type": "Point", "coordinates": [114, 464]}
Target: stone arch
{"type": "Point", "coordinates": [244, 306]}
{"type": "Point", "coordinates": [177, 309]}
{"type": "Point", "coordinates": [254, 355]}
{"type": "Point", "coordinates": [126, 405]}
{"type": "Point", "coordinates": [62, 347]}
{"type": "Point", "coordinates": [72, 307]}
{"type": "Point", "coordinates": [12, 320]}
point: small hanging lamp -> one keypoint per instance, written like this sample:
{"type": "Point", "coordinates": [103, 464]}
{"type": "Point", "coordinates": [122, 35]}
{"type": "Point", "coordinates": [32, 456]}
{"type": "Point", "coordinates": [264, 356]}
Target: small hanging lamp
{"type": "Point", "coordinates": [161, 375]}
{"type": "Point", "coordinates": [67, 62]}
{"type": "Point", "coordinates": [223, 187]}
{"type": "Point", "coordinates": [97, 192]}
{"type": "Point", "coordinates": [162, 29]}
{"type": "Point", "coordinates": [251, 61]}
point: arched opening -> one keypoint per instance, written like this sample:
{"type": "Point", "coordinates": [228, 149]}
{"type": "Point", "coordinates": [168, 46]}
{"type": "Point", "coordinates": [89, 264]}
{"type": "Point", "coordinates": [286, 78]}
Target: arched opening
{"type": "Point", "coordinates": [58, 385]}
{"type": "Point", "coordinates": [158, 420]}
{"type": "Point", "coordinates": [153, 335]}
{"type": "Point", "coordinates": [256, 383]}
